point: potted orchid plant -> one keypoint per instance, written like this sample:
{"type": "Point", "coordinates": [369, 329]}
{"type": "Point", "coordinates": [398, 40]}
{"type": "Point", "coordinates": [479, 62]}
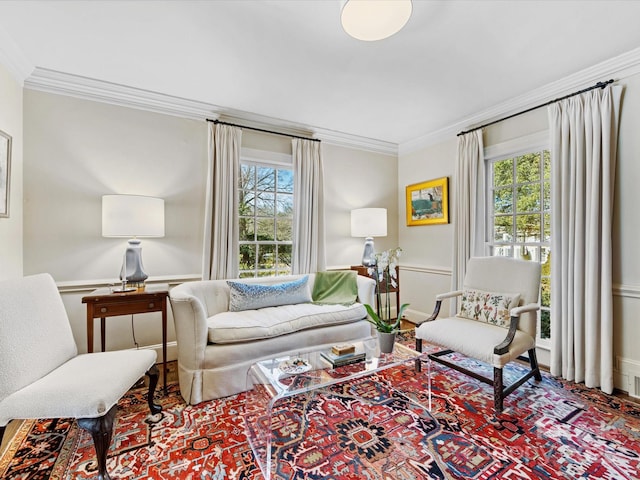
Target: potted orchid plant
{"type": "Point", "coordinates": [385, 273]}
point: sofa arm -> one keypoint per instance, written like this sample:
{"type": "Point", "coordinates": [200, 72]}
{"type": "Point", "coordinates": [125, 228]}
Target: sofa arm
{"type": "Point", "coordinates": [366, 290]}
{"type": "Point", "coordinates": [190, 321]}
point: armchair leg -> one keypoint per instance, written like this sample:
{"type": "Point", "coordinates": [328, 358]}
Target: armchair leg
{"type": "Point", "coordinates": [533, 361]}
{"type": "Point", "coordinates": [498, 390]}
{"type": "Point", "coordinates": [101, 430]}
{"type": "Point", "coordinates": [153, 375]}
{"type": "Point", "coordinates": [419, 350]}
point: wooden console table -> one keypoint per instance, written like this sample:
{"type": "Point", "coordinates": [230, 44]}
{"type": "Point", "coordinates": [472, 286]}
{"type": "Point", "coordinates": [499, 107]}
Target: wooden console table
{"type": "Point", "coordinates": [103, 303]}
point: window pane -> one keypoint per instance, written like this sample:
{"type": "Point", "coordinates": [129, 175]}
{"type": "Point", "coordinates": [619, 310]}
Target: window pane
{"type": "Point", "coordinates": [265, 205]}
{"type": "Point", "coordinates": [528, 198]}
{"type": "Point", "coordinates": [503, 200]}
{"type": "Point", "coordinates": [545, 324]}
{"type": "Point", "coordinates": [547, 196]}
{"type": "Point", "coordinates": [266, 229]}
{"type": "Point", "coordinates": [285, 204]}
{"type": "Point", "coordinates": [547, 228]}
{"type": "Point", "coordinates": [527, 252]}
{"type": "Point", "coordinates": [247, 229]}
{"type": "Point", "coordinates": [503, 173]}
{"type": "Point", "coordinates": [547, 164]}
{"type": "Point", "coordinates": [284, 257]}
{"type": "Point", "coordinates": [503, 229]}
{"type": "Point", "coordinates": [502, 251]}
{"type": "Point", "coordinates": [546, 262]}
{"type": "Point", "coordinates": [528, 228]}
{"type": "Point", "coordinates": [247, 177]}
{"type": "Point", "coordinates": [266, 257]}
{"type": "Point", "coordinates": [285, 181]}
{"type": "Point", "coordinates": [545, 292]}
{"type": "Point", "coordinates": [528, 168]}
{"type": "Point", "coordinates": [266, 181]}
{"type": "Point", "coordinates": [247, 257]}
{"type": "Point", "coordinates": [246, 202]}
{"type": "Point", "coordinates": [284, 229]}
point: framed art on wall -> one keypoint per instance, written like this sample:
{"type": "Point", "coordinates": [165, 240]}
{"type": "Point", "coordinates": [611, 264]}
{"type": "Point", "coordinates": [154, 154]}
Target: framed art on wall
{"type": "Point", "coordinates": [5, 173]}
{"type": "Point", "coordinates": [428, 202]}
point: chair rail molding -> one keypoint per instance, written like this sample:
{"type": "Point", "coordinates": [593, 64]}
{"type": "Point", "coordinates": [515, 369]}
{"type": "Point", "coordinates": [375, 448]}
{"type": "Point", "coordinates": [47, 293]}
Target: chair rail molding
{"type": "Point", "coordinates": [77, 286]}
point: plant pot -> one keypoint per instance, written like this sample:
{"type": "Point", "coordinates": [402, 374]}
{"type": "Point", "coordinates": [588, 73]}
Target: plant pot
{"type": "Point", "coordinates": [386, 340]}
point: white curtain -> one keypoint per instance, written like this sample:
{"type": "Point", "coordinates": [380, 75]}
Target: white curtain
{"type": "Point", "coordinates": [468, 206]}
{"type": "Point", "coordinates": [584, 135]}
{"type": "Point", "coordinates": [308, 253]}
{"type": "Point", "coordinates": [221, 249]}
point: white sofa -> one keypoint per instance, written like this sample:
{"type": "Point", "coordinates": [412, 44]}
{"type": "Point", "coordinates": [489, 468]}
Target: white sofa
{"type": "Point", "coordinates": [216, 346]}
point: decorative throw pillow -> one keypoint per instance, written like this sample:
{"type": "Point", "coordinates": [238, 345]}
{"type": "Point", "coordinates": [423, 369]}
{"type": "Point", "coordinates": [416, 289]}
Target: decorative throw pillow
{"type": "Point", "coordinates": [488, 307]}
{"type": "Point", "coordinates": [251, 296]}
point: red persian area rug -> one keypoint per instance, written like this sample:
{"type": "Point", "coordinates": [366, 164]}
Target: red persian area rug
{"type": "Point", "coordinates": [375, 428]}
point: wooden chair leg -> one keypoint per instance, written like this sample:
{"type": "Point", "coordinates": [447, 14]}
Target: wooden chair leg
{"type": "Point", "coordinates": [153, 375]}
{"type": "Point", "coordinates": [498, 389]}
{"type": "Point", "coordinates": [533, 361]}
{"type": "Point", "coordinates": [419, 350]}
{"type": "Point", "coordinates": [101, 429]}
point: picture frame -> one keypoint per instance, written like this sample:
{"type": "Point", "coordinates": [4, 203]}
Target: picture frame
{"type": "Point", "coordinates": [5, 173]}
{"type": "Point", "coordinates": [428, 202]}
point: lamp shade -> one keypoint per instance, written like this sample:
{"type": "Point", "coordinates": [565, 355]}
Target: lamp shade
{"type": "Point", "coordinates": [371, 20]}
{"type": "Point", "coordinates": [369, 222]}
{"type": "Point", "coordinates": [132, 216]}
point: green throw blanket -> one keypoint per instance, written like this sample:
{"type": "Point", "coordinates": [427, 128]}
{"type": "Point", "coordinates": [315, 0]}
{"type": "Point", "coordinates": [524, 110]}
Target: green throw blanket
{"type": "Point", "coordinates": [337, 287]}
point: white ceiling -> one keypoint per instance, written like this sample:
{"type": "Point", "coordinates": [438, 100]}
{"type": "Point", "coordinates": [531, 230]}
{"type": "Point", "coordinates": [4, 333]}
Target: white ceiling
{"type": "Point", "coordinates": [291, 60]}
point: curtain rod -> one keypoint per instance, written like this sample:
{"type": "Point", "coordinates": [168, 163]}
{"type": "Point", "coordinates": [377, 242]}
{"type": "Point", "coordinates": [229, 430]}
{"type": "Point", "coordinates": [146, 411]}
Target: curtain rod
{"type": "Point", "coordinates": [597, 85]}
{"type": "Point", "coordinates": [261, 130]}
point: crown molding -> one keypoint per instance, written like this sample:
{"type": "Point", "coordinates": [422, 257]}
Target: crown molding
{"type": "Point", "coordinates": [620, 67]}
{"type": "Point", "coordinates": [77, 86]}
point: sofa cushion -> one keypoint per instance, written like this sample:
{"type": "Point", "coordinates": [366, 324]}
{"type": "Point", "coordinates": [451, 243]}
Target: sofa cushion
{"type": "Point", "coordinates": [248, 325]}
{"type": "Point", "coordinates": [251, 296]}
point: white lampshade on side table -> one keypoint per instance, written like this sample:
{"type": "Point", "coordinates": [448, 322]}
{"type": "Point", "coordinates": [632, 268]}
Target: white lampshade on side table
{"type": "Point", "coordinates": [369, 223]}
{"type": "Point", "coordinates": [132, 216]}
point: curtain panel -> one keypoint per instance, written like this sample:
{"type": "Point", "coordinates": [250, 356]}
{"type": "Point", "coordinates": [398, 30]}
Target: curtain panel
{"type": "Point", "coordinates": [221, 236]}
{"type": "Point", "coordinates": [308, 255]}
{"type": "Point", "coordinates": [468, 207]}
{"type": "Point", "coordinates": [584, 135]}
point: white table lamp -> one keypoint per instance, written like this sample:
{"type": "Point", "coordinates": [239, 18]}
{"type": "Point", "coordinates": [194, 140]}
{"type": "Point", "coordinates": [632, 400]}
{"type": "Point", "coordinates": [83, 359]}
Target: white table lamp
{"type": "Point", "coordinates": [132, 216]}
{"type": "Point", "coordinates": [369, 223]}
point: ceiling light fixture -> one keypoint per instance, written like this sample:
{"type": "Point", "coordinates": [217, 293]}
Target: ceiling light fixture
{"type": "Point", "coordinates": [371, 20]}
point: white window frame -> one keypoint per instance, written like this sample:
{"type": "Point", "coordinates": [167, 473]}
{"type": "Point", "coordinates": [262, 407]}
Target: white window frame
{"type": "Point", "coordinates": [268, 159]}
{"type": "Point", "coordinates": [531, 143]}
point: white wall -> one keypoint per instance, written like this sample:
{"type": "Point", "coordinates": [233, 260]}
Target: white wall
{"type": "Point", "coordinates": [79, 150]}
{"type": "Point", "coordinates": [11, 228]}
{"type": "Point", "coordinates": [428, 248]}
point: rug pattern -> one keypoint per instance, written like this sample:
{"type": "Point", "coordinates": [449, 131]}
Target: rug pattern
{"type": "Point", "coordinates": [375, 428]}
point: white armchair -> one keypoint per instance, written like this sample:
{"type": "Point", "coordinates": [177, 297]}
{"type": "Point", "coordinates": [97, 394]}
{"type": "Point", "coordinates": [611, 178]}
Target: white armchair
{"type": "Point", "coordinates": [496, 323]}
{"type": "Point", "coordinates": [42, 375]}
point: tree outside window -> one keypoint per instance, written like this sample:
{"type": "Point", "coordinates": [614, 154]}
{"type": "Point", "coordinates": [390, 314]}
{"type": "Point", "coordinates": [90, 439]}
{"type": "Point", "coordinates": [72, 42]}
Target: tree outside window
{"type": "Point", "coordinates": [520, 211]}
{"type": "Point", "coordinates": [265, 220]}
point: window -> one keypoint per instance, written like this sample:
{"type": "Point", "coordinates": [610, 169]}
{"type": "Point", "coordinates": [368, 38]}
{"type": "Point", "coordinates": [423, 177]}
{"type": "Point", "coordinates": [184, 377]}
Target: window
{"type": "Point", "coordinates": [520, 216]}
{"type": "Point", "coordinates": [266, 219]}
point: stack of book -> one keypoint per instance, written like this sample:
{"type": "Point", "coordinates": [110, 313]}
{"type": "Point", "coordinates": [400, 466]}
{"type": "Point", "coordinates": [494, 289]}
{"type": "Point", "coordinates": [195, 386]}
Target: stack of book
{"type": "Point", "coordinates": [341, 355]}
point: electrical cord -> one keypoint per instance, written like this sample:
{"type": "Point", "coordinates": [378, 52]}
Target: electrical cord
{"type": "Point", "coordinates": [133, 334]}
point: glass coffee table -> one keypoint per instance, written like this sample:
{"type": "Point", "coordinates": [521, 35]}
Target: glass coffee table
{"type": "Point", "coordinates": [300, 372]}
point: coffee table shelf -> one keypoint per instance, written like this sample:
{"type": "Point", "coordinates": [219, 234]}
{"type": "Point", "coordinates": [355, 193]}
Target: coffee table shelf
{"type": "Point", "coordinates": [300, 372]}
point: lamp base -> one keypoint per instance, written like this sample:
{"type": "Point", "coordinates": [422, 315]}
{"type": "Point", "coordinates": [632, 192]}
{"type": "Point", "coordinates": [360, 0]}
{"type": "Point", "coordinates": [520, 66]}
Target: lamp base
{"type": "Point", "coordinates": [369, 254]}
{"type": "Point", "coordinates": [134, 273]}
